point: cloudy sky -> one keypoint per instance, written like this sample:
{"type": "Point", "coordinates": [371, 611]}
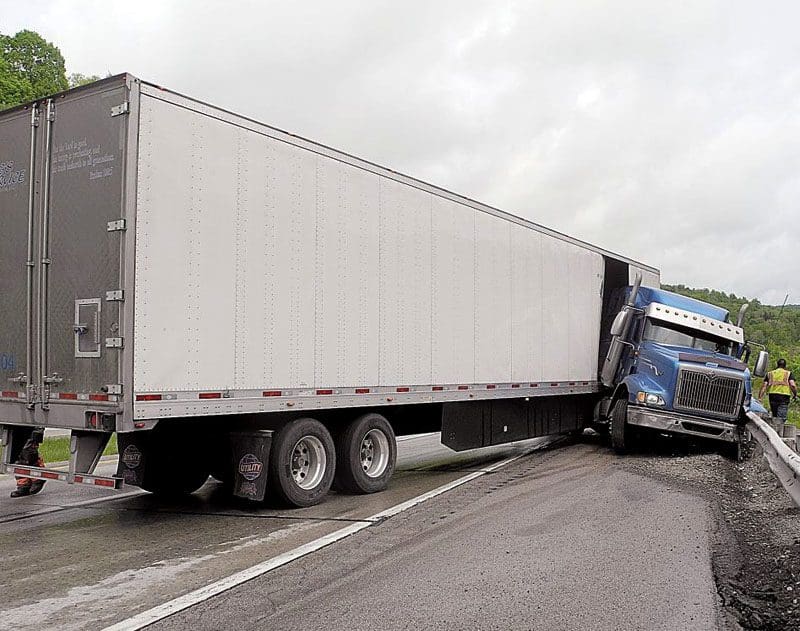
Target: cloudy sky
{"type": "Point", "coordinates": [665, 131]}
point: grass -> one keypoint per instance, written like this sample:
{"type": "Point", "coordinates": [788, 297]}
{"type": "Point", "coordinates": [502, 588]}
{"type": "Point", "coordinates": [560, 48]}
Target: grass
{"type": "Point", "coordinates": [56, 449]}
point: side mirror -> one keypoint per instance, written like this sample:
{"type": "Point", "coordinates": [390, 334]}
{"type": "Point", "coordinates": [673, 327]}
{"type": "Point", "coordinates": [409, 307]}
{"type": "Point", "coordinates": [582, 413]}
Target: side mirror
{"type": "Point", "coordinates": [618, 326]}
{"type": "Point", "coordinates": [762, 363]}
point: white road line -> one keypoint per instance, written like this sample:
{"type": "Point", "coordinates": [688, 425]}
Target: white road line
{"type": "Point", "coordinates": [171, 607]}
{"type": "Point", "coordinates": [400, 439]}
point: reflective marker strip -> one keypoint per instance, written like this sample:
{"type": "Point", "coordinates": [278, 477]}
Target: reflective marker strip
{"type": "Point", "coordinates": [98, 397]}
{"type": "Point", "coordinates": [38, 473]}
{"type": "Point", "coordinates": [180, 397]}
{"type": "Point", "coordinates": [10, 394]}
{"type": "Point", "coordinates": [109, 483]}
{"type": "Point", "coordinates": [70, 396]}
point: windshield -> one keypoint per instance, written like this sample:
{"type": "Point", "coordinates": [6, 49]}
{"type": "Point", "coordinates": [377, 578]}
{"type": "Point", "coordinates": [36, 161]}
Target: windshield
{"type": "Point", "coordinates": [679, 336]}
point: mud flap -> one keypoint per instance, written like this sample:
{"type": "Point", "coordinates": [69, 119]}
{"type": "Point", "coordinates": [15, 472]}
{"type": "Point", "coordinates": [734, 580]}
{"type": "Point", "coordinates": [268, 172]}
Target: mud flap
{"type": "Point", "coordinates": [133, 448]}
{"type": "Point", "coordinates": [249, 459]}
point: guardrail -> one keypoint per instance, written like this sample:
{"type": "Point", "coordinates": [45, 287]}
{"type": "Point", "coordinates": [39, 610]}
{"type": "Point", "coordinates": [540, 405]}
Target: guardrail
{"type": "Point", "coordinates": [783, 462]}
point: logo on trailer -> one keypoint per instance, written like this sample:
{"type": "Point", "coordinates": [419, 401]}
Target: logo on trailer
{"type": "Point", "coordinates": [250, 467]}
{"type": "Point", "coordinates": [248, 489]}
{"type": "Point", "coordinates": [132, 457]}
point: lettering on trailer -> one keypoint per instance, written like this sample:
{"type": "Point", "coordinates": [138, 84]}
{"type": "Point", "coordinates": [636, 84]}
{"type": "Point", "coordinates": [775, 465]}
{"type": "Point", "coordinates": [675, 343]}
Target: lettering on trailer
{"type": "Point", "coordinates": [250, 467]}
{"type": "Point", "coordinates": [78, 154]}
{"type": "Point", "coordinates": [10, 177]}
{"type": "Point", "coordinates": [8, 361]}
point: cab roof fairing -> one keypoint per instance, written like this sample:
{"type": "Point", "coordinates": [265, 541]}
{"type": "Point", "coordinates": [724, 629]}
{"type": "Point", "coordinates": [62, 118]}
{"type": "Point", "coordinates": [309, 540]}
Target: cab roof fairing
{"type": "Point", "coordinates": [696, 321]}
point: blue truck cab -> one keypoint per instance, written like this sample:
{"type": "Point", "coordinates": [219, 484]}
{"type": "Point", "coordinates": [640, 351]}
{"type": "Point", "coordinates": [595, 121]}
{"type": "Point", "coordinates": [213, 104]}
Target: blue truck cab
{"type": "Point", "coordinates": [675, 366]}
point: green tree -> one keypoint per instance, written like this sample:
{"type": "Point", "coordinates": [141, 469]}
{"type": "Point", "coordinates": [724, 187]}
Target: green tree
{"type": "Point", "coordinates": [13, 88]}
{"type": "Point", "coordinates": [76, 79]}
{"type": "Point", "coordinates": [30, 68]}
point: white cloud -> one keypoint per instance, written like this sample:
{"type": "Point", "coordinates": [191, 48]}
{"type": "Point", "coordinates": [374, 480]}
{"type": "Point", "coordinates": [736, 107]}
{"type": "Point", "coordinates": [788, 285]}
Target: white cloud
{"type": "Point", "coordinates": [669, 132]}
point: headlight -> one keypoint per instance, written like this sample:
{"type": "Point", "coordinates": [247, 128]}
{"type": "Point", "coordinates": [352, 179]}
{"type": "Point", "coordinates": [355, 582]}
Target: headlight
{"type": "Point", "coordinates": [648, 398]}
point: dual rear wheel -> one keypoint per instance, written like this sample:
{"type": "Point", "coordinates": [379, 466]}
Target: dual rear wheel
{"type": "Point", "coordinates": [305, 460]}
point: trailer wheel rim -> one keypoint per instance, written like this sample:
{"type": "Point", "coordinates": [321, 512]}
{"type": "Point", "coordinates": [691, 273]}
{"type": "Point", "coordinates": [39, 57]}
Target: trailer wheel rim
{"type": "Point", "coordinates": [374, 453]}
{"type": "Point", "coordinates": [308, 462]}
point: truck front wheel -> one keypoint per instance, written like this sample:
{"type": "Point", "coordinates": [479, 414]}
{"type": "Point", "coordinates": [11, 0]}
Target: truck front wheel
{"type": "Point", "coordinates": [302, 463]}
{"type": "Point", "coordinates": [621, 438]}
{"type": "Point", "coordinates": [366, 452]}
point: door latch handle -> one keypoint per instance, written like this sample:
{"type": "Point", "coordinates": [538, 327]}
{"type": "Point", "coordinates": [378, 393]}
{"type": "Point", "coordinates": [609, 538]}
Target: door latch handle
{"type": "Point", "coordinates": [80, 329]}
{"type": "Point", "coordinates": [21, 379]}
{"type": "Point", "coordinates": [54, 378]}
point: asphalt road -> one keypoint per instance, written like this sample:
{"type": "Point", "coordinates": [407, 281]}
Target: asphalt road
{"type": "Point", "coordinates": [83, 558]}
{"type": "Point", "coordinates": [564, 539]}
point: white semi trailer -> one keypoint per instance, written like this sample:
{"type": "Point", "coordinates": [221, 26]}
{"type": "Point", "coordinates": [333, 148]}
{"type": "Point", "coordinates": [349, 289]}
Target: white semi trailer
{"type": "Point", "coordinates": [235, 300]}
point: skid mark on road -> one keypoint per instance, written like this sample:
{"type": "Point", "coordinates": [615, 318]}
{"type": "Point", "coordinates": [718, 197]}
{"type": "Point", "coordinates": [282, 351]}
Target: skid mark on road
{"type": "Point", "coordinates": [89, 602]}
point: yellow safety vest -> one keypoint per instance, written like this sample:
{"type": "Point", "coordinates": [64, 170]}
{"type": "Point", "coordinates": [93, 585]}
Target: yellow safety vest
{"type": "Point", "coordinates": [779, 382]}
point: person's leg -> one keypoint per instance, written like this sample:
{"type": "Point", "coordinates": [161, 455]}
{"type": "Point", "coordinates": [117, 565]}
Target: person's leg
{"type": "Point", "coordinates": [774, 405]}
{"type": "Point", "coordinates": [36, 485]}
{"type": "Point", "coordinates": [23, 487]}
{"type": "Point", "coordinates": [783, 409]}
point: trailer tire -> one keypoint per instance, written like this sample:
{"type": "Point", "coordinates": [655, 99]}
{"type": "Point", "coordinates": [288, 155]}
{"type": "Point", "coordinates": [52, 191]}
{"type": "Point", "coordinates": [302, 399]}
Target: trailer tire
{"type": "Point", "coordinates": [621, 434]}
{"type": "Point", "coordinates": [366, 453]}
{"type": "Point", "coordinates": [170, 480]}
{"type": "Point", "coordinates": [167, 474]}
{"type": "Point", "coordinates": [302, 463]}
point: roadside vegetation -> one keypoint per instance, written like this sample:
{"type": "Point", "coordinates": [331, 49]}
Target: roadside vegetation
{"type": "Point", "coordinates": [31, 67]}
{"type": "Point", "coordinates": [56, 449]}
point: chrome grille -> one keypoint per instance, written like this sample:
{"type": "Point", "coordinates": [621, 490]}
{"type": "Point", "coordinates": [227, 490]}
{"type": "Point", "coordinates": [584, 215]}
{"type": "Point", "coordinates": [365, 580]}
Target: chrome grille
{"type": "Point", "coordinates": [709, 392]}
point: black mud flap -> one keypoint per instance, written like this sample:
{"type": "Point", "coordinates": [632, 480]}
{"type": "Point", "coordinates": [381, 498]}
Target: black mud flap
{"type": "Point", "coordinates": [133, 448]}
{"type": "Point", "coordinates": [249, 459]}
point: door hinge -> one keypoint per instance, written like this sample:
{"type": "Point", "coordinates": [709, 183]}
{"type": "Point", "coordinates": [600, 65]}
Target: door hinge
{"type": "Point", "coordinates": [117, 295]}
{"type": "Point", "coordinates": [114, 342]}
{"type": "Point", "coordinates": [119, 224]}
{"type": "Point", "coordinates": [122, 108]}
{"type": "Point", "coordinates": [112, 388]}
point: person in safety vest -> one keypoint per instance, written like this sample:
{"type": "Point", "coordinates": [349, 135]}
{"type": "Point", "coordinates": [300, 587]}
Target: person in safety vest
{"type": "Point", "coordinates": [30, 456]}
{"type": "Point", "coordinates": [780, 386]}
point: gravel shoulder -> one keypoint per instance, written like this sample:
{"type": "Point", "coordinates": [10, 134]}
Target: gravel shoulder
{"type": "Point", "coordinates": [756, 542]}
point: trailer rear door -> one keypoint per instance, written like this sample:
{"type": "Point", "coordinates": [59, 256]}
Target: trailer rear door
{"type": "Point", "coordinates": [82, 235]}
{"type": "Point", "coordinates": [66, 215]}
{"type": "Point", "coordinates": [16, 131]}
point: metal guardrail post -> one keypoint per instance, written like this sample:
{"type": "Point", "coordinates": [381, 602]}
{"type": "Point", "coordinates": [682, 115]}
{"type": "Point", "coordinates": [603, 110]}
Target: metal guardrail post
{"type": "Point", "coordinates": [783, 462]}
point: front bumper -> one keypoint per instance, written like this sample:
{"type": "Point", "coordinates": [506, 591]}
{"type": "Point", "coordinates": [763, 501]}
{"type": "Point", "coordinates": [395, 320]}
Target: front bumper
{"type": "Point", "coordinates": [682, 424]}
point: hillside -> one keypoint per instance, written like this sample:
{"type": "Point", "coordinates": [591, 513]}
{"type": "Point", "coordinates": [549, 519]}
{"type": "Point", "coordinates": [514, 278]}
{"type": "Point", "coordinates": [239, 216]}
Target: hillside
{"type": "Point", "coordinates": [778, 329]}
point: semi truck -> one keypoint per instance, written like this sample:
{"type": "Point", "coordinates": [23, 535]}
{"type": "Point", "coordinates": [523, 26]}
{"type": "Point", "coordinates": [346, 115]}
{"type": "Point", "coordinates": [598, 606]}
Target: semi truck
{"type": "Point", "coordinates": [236, 301]}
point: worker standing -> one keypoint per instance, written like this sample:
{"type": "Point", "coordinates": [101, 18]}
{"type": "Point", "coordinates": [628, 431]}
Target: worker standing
{"type": "Point", "coordinates": [30, 456]}
{"type": "Point", "coordinates": [780, 386]}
